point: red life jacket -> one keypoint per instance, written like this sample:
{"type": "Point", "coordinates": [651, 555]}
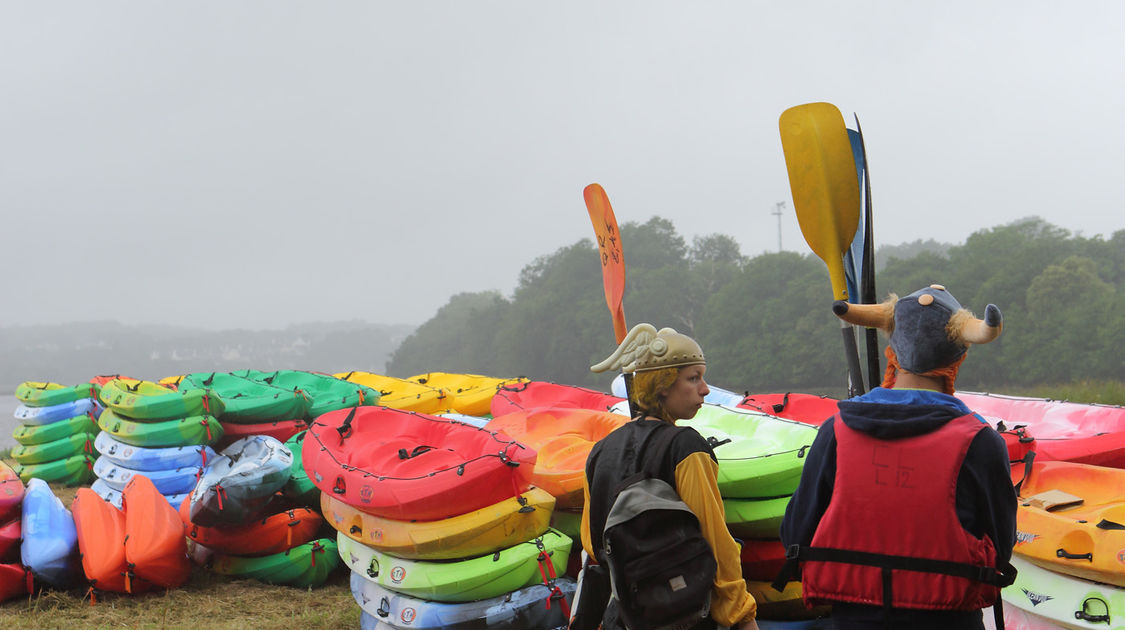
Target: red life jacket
{"type": "Point", "coordinates": [891, 527]}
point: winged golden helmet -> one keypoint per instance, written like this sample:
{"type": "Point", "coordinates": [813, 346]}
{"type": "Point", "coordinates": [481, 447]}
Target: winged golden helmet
{"type": "Point", "coordinates": [646, 348]}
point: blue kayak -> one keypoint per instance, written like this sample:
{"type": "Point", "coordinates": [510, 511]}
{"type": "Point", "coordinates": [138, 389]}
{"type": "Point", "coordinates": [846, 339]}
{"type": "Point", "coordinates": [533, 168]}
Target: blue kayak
{"type": "Point", "coordinates": [113, 495]}
{"type": "Point", "coordinates": [240, 481]}
{"type": "Point", "coordinates": [718, 395]}
{"type": "Point", "coordinates": [54, 413]}
{"type": "Point", "coordinates": [528, 607]}
{"type": "Point", "coordinates": [50, 539]}
{"type": "Point", "coordinates": [171, 481]}
{"type": "Point", "coordinates": [148, 458]}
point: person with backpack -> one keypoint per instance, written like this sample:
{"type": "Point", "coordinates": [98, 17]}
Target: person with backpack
{"type": "Point", "coordinates": [653, 517]}
{"type": "Point", "coordinates": [905, 515]}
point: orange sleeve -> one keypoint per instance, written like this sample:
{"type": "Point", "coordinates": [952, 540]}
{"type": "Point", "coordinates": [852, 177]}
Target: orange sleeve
{"type": "Point", "coordinates": [697, 484]}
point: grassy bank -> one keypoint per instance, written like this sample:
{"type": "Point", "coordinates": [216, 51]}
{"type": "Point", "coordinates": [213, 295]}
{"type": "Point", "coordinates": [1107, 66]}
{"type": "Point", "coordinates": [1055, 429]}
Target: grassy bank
{"type": "Point", "coordinates": [206, 599]}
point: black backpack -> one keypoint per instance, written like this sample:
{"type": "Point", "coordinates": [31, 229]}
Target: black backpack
{"type": "Point", "coordinates": [661, 568]}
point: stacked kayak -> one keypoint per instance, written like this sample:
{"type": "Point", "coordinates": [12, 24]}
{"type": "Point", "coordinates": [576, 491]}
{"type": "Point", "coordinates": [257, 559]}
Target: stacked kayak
{"type": "Point", "coordinates": [299, 489]}
{"type": "Point", "coordinates": [138, 549]}
{"type": "Point", "coordinates": [323, 393]}
{"type": "Point", "coordinates": [1050, 599]}
{"type": "Point", "coordinates": [173, 470]}
{"type": "Point", "coordinates": [240, 525]}
{"type": "Point", "coordinates": [409, 466]}
{"type": "Point", "coordinates": [251, 407]}
{"type": "Point", "coordinates": [400, 393]}
{"type": "Point", "coordinates": [14, 578]}
{"type": "Point", "coordinates": [524, 395]}
{"type": "Point", "coordinates": [470, 394]}
{"type": "Point", "coordinates": [1055, 430]}
{"type": "Point", "coordinates": [56, 432]}
{"type": "Point", "coordinates": [153, 431]}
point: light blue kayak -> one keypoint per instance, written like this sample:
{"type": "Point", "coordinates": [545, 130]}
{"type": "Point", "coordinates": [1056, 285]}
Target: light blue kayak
{"type": "Point", "coordinates": [54, 413]}
{"type": "Point", "coordinates": [240, 480]}
{"type": "Point", "coordinates": [172, 481]}
{"type": "Point", "coordinates": [152, 458]}
{"type": "Point", "coordinates": [113, 495]}
{"type": "Point", "coordinates": [50, 539]}
{"type": "Point", "coordinates": [528, 607]}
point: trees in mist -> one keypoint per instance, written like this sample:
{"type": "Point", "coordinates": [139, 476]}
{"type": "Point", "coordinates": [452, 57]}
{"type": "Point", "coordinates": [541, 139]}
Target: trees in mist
{"type": "Point", "coordinates": [765, 322]}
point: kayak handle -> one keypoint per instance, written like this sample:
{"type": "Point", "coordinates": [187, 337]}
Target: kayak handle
{"type": "Point", "coordinates": [1085, 616]}
{"type": "Point", "coordinates": [1063, 553]}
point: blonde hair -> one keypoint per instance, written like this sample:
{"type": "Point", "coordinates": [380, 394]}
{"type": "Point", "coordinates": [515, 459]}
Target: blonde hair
{"type": "Point", "coordinates": [648, 386]}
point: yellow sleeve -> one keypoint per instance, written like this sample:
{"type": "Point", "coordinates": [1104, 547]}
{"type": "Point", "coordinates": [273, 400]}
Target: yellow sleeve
{"type": "Point", "coordinates": [697, 484]}
{"type": "Point", "coordinates": [585, 527]}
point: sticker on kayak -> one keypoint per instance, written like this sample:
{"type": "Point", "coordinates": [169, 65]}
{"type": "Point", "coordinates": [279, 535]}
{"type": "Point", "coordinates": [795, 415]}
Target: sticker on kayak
{"type": "Point", "coordinates": [1121, 556]}
{"type": "Point", "coordinates": [407, 615]}
{"type": "Point", "coordinates": [1036, 598]}
{"type": "Point", "coordinates": [375, 535]}
{"type": "Point", "coordinates": [397, 574]}
{"type": "Point", "coordinates": [1025, 537]}
{"type": "Point", "coordinates": [365, 494]}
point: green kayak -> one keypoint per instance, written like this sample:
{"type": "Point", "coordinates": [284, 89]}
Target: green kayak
{"type": "Point", "coordinates": [246, 401]}
{"type": "Point", "coordinates": [29, 434]}
{"type": "Point", "coordinates": [77, 470]}
{"type": "Point", "coordinates": [465, 580]}
{"type": "Point", "coordinates": [760, 456]}
{"type": "Point", "coordinates": [145, 400]}
{"type": "Point", "coordinates": [325, 393]}
{"type": "Point", "coordinates": [299, 487]}
{"type": "Point", "coordinates": [62, 448]}
{"type": "Point", "coordinates": [37, 394]}
{"type": "Point", "coordinates": [307, 565]}
{"type": "Point", "coordinates": [191, 431]}
{"type": "Point", "coordinates": [755, 518]}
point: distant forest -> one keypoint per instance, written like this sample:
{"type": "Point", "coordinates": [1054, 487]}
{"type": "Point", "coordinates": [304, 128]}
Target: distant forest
{"type": "Point", "coordinates": [765, 323]}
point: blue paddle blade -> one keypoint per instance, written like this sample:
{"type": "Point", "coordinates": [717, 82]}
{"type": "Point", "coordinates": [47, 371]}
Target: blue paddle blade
{"type": "Point", "coordinates": [853, 257]}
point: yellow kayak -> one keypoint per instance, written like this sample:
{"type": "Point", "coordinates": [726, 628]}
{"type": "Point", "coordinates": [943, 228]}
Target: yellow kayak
{"type": "Point", "coordinates": [472, 393]}
{"type": "Point", "coordinates": [401, 393]}
{"type": "Point", "coordinates": [484, 531]}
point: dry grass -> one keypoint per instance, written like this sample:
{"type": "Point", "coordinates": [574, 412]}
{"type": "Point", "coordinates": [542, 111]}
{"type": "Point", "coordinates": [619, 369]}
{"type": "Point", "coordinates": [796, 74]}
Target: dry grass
{"type": "Point", "coordinates": [207, 600]}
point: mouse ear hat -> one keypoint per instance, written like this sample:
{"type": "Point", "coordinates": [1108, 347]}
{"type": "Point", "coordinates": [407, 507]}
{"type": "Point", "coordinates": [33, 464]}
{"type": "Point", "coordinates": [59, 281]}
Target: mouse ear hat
{"type": "Point", "coordinates": [646, 348]}
{"type": "Point", "coordinates": [929, 329]}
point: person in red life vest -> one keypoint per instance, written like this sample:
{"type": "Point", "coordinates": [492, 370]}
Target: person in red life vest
{"type": "Point", "coordinates": [668, 385]}
{"type": "Point", "coordinates": [905, 516]}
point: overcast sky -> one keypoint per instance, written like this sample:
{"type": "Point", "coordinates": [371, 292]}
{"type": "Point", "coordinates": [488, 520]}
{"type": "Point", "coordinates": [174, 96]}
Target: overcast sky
{"type": "Point", "coordinates": [257, 164]}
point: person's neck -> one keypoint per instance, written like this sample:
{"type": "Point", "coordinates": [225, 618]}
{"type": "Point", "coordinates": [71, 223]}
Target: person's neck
{"type": "Point", "coordinates": [908, 380]}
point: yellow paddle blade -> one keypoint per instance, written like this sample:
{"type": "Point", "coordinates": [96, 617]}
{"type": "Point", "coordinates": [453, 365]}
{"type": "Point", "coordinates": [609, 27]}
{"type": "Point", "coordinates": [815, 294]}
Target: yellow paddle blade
{"type": "Point", "coordinates": [818, 156]}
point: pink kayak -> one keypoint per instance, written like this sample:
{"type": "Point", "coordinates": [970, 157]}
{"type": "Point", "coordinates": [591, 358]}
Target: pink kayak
{"type": "Point", "coordinates": [1056, 430]}
{"type": "Point", "coordinates": [542, 394]}
{"type": "Point", "coordinates": [804, 408]}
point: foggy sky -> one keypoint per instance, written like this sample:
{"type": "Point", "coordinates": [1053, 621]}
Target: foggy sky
{"type": "Point", "coordinates": [233, 164]}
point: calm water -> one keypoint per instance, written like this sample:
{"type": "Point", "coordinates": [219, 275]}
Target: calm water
{"type": "Point", "coordinates": [8, 422]}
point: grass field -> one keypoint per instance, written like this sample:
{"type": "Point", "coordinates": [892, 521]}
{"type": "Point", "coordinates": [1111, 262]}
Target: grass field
{"type": "Point", "coordinates": [206, 600]}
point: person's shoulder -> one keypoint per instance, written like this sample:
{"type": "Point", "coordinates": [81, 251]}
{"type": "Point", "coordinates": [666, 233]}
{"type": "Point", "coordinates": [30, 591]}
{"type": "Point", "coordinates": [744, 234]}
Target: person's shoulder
{"type": "Point", "coordinates": [689, 441]}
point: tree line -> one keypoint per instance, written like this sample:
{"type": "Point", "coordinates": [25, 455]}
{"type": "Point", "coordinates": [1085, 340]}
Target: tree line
{"type": "Point", "coordinates": [765, 322]}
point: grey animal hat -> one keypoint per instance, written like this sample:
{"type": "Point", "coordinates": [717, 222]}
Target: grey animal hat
{"type": "Point", "coordinates": [929, 329]}
{"type": "Point", "coordinates": [646, 348]}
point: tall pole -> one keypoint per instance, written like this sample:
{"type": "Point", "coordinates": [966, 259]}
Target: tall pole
{"type": "Point", "coordinates": [777, 213]}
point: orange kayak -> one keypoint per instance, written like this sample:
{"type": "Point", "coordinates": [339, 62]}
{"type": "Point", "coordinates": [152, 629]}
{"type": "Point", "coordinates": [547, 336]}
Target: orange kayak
{"type": "Point", "coordinates": [155, 547]}
{"type": "Point", "coordinates": [563, 438]}
{"type": "Point", "coordinates": [268, 535]}
{"type": "Point", "coordinates": [1079, 533]}
{"type": "Point", "coordinates": [101, 540]}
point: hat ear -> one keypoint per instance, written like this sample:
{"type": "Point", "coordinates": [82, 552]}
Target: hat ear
{"type": "Point", "coordinates": [974, 330]}
{"type": "Point", "coordinates": [881, 316]}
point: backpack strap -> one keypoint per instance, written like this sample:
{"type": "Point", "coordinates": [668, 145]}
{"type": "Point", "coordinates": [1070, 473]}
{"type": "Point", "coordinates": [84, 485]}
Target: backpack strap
{"type": "Point", "coordinates": [648, 464]}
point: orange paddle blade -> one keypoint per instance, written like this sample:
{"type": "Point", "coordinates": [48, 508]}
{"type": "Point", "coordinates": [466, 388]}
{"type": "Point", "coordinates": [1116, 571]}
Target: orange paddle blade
{"type": "Point", "coordinates": [613, 260]}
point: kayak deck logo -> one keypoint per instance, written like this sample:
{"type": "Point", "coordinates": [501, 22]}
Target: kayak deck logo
{"type": "Point", "coordinates": [1023, 538]}
{"type": "Point", "coordinates": [1036, 598]}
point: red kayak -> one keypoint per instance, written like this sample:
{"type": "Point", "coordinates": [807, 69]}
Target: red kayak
{"type": "Point", "coordinates": [408, 466]}
{"type": "Point", "coordinates": [155, 547]}
{"type": "Point", "coordinates": [1056, 430]}
{"type": "Point", "coordinates": [541, 394]}
{"type": "Point", "coordinates": [11, 492]}
{"type": "Point", "coordinates": [282, 430]}
{"type": "Point", "coordinates": [10, 539]}
{"type": "Point", "coordinates": [14, 581]}
{"type": "Point", "coordinates": [804, 408]}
